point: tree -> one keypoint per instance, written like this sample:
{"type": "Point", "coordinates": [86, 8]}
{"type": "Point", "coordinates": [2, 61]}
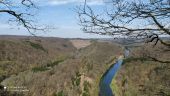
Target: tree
{"type": "Point", "coordinates": [139, 19]}
{"type": "Point", "coordinates": [20, 10]}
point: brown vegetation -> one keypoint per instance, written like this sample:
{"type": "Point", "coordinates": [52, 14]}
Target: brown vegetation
{"type": "Point", "coordinates": [143, 76]}
{"type": "Point", "coordinates": [60, 70]}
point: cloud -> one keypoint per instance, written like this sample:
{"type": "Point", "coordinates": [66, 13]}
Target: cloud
{"type": "Point", "coordinates": [61, 2]}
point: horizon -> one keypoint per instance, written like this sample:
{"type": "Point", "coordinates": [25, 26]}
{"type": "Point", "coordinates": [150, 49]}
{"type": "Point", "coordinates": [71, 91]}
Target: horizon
{"type": "Point", "coordinates": [119, 38]}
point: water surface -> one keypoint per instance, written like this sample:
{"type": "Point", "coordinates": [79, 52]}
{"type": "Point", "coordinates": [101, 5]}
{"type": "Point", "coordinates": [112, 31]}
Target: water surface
{"type": "Point", "coordinates": [105, 89]}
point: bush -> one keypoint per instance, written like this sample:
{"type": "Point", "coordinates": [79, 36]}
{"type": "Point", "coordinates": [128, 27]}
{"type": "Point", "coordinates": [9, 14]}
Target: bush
{"type": "Point", "coordinates": [44, 68]}
{"type": "Point", "coordinates": [54, 63]}
{"type": "Point", "coordinates": [61, 93]}
{"type": "Point", "coordinates": [39, 69]}
{"type": "Point", "coordinates": [86, 89]}
{"type": "Point", "coordinates": [130, 59]}
{"type": "Point", "coordinates": [76, 79]}
{"type": "Point", "coordinates": [36, 46]}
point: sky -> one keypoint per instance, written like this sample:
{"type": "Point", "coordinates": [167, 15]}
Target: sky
{"type": "Point", "coordinates": [59, 14]}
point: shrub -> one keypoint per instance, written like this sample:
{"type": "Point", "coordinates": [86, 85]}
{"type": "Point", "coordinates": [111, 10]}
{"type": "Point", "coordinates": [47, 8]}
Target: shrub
{"type": "Point", "coordinates": [61, 93]}
{"type": "Point", "coordinates": [130, 59]}
{"type": "Point", "coordinates": [37, 46]}
{"type": "Point", "coordinates": [54, 63]}
{"type": "Point", "coordinates": [76, 79]}
{"type": "Point", "coordinates": [39, 69]}
{"type": "Point", "coordinates": [86, 89]}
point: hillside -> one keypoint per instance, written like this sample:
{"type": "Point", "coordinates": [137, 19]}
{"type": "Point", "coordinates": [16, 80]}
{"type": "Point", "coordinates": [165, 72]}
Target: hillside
{"type": "Point", "coordinates": [53, 66]}
{"type": "Point", "coordinates": [145, 72]}
{"type": "Point", "coordinates": [65, 67]}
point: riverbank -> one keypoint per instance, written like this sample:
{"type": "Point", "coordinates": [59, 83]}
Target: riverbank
{"type": "Point", "coordinates": [105, 88]}
{"type": "Point", "coordinates": [113, 84]}
{"type": "Point", "coordinates": [142, 76]}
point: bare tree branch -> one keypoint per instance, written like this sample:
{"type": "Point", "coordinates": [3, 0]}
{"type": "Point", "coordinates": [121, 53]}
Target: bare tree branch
{"type": "Point", "coordinates": [20, 17]}
{"type": "Point", "coordinates": [129, 18]}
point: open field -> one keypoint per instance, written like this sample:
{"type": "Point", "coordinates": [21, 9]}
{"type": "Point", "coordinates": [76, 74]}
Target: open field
{"type": "Point", "coordinates": [80, 43]}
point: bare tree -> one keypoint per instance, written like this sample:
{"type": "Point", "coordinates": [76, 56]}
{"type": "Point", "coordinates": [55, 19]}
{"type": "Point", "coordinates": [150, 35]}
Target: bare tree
{"type": "Point", "coordinates": [20, 11]}
{"type": "Point", "coordinates": [129, 18]}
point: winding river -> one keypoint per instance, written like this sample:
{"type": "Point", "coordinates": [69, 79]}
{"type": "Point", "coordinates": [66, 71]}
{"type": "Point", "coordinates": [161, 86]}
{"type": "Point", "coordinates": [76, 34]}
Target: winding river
{"type": "Point", "coordinates": [105, 89]}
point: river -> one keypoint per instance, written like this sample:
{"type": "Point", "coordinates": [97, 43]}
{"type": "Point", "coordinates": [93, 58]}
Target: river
{"type": "Point", "coordinates": [105, 89]}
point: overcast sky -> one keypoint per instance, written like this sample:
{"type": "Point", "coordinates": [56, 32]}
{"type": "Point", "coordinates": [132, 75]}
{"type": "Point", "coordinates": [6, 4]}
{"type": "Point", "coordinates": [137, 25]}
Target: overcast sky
{"type": "Point", "coordinates": [60, 14]}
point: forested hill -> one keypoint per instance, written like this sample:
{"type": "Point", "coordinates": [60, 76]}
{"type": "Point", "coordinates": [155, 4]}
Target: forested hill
{"type": "Point", "coordinates": [54, 66]}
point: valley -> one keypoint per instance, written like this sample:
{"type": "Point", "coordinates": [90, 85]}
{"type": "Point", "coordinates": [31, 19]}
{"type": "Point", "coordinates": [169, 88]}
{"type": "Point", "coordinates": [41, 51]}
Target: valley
{"type": "Point", "coordinates": [46, 66]}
